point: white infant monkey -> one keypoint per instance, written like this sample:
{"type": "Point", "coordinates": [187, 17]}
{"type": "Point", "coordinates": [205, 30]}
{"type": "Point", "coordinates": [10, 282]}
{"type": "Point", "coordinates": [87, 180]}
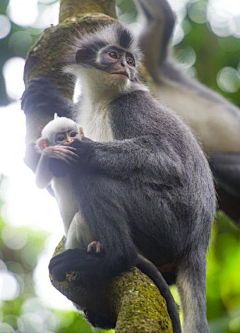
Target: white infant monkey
{"type": "Point", "coordinates": [54, 143]}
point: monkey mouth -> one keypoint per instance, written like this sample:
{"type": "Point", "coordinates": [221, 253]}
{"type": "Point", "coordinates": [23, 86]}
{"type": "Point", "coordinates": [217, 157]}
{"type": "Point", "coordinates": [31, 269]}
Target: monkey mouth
{"type": "Point", "coordinates": [121, 73]}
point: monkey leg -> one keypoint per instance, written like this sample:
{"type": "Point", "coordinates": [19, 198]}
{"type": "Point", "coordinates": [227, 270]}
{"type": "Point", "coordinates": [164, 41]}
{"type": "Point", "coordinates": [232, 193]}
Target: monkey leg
{"type": "Point", "coordinates": [191, 283]}
{"type": "Point", "coordinates": [78, 234]}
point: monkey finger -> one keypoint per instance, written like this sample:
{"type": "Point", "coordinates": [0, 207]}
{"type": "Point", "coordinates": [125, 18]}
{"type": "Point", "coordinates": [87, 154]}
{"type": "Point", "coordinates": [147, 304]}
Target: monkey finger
{"type": "Point", "coordinates": [65, 150]}
{"type": "Point", "coordinates": [58, 152]}
{"type": "Point", "coordinates": [94, 246]}
{"type": "Point", "coordinates": [68, 160]}
{"type": "Point", "coordinates": [71, 157]}
{"type": "Point", "coordinates": [62, 157]}
{"type": "Point", "coordinates": [62, 148]}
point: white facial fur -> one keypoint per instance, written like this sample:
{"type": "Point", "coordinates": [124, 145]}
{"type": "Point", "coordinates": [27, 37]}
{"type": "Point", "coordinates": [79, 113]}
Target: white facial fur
{"type": "Point", "coordinates": [57, 125]}
{"type": "Point", "coordinates": [99, 89]}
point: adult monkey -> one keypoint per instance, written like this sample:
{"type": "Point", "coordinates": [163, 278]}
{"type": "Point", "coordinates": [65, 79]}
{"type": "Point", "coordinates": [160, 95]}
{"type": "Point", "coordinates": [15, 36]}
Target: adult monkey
{"type": "Point", "coordinates": [36, 119]}
{"type": "Point", "coordinates": [188, 304]}
{"type": "Point", "coordinates": [214, 119]}
{"type": "Point", "coordinates": [142, 183]}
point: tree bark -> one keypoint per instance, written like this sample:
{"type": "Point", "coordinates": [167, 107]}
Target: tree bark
{"type": "Point", "coordinates": [131, 299]}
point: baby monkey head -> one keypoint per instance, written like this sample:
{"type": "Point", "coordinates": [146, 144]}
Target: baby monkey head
{"type": "Point", "coordinates": [59, 131]}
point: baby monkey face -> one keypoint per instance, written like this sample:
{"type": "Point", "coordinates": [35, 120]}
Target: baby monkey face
{"type": "Point", "coordinates": [67, 137]}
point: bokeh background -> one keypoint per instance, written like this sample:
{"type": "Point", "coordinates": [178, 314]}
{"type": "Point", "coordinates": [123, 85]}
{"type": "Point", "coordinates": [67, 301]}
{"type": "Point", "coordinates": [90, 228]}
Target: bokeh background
{"type": "Point", "coordinates": [207, 44]}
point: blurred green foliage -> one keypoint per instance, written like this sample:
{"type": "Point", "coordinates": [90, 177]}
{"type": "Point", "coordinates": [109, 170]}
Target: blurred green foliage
{"type": "Point", "coordinates": [213, 54]}
{"type": "Point", "coordinates": [25, 309]}
{"type": "Point", "coordinates": [223, 278]}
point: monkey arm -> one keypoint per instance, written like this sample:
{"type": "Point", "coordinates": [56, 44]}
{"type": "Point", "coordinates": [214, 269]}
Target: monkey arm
{"type": "Point", "coordinates": [158, 27]}
{"type": "Point", "coordinates": [43, 175]}
{"type": "Point", "coordinates": [41, 100]}
{"type": "Point", "coordinates": [122, 159]}
{"type": "Point", "coordinates": [41, 95]}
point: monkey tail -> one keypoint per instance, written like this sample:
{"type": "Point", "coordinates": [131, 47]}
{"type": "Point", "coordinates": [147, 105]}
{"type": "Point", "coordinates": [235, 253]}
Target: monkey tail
{"type": "Point", "coordinates": [148, 268]}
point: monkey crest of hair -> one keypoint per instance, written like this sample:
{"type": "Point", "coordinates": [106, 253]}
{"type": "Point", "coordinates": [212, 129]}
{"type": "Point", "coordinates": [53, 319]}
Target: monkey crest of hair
{"type": "Point", "coordinates": [91, 43]}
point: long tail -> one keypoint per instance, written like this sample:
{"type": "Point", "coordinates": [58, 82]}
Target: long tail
{"type": "Point", "coordinates": [148, 268]}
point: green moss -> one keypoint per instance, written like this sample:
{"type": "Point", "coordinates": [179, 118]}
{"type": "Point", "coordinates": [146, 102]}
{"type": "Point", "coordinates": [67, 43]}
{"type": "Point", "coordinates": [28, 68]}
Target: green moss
{"type": "Point", "coordinates": [140, 306]}
{"type": "Point", "coordinates": [72, 8]}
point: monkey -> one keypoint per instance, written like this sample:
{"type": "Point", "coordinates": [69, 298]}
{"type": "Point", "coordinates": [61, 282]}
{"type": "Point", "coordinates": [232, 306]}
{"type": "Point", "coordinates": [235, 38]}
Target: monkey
{"type": "Point", "coordinates": [143, 182]}
{"type": "Point", "coordinates": [54, 144]}
{"type": "Point", "coordinates": [214, 120]}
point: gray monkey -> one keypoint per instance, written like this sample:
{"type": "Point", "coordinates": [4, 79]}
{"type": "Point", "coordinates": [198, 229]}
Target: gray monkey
{"type": "Point", "coordinates": [214, 120]}
{"type": "Point", "coordinates": [54, 145]}
{"type": "Point", "coordinates": [142, 182]}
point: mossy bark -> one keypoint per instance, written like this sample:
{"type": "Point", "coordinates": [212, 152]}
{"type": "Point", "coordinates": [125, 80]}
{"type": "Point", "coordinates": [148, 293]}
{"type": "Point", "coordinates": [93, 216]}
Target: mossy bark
{"type": "Point", "coordinates": [132, 300]}
{"type": "Point", "coordinates": [74, 7]}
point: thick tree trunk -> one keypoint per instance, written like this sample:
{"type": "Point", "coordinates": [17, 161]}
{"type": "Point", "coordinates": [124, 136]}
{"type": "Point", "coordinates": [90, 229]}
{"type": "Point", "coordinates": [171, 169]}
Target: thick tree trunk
{"type": "Point", "coordinates": [131, 299]}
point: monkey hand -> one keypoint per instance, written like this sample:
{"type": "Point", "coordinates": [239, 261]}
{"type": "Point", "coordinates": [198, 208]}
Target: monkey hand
{"type": "Point", "coordinates": [42, 96]}
{"type": "Point", "coordinates": [76, 260]}
{"type": "Point", "coordinates": [84, 147]}
{"type": "Point", "coordinates": [94, 246]}
{"type": "Point", "coordinates": [39, 94]}
{"type": "Point", "coordinates": [60, 159]}
{"type": "Point", "coordinates": [64, 153]}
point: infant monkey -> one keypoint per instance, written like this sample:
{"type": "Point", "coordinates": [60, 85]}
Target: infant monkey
{"type": "Point", "coordinates": [54, 143]}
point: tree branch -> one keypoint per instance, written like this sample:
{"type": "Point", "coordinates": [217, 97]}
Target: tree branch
{"type": "Point", "coordinates": [131, 299]}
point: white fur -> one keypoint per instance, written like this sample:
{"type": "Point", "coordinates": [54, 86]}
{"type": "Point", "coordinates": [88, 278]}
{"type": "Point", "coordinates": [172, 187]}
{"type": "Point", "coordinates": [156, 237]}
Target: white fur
{"type": "Point", "coordinates": [188, 302]}
{"type": "Point", "coordinates": [78, 234]}
{"type": "Point", "coordinates": [63, 192]}
{"type": "Point", "coordinates": [55, 126]}
{"type": "Point", "coordinates": [76, 231]}
{"type": "Point", "coordinates": [99, 89]}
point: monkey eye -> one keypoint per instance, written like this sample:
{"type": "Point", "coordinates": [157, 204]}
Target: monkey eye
{"type": "Point", "coordinates": [61, 138]}
{"type": "Point", "coordinates": [73, 134]}
{"type": "Point", "coordinates": [112, 55]}
{"type": "Point", "coordinates": [130, 61]}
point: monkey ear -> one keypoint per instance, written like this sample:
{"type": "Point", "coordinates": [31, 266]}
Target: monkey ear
{"type": "Point", "coordinates": [81, 56]}
{"type": "Point", "coordinates": [81, 132]}
{"type": "Point", "coordinates": [42, 143]}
